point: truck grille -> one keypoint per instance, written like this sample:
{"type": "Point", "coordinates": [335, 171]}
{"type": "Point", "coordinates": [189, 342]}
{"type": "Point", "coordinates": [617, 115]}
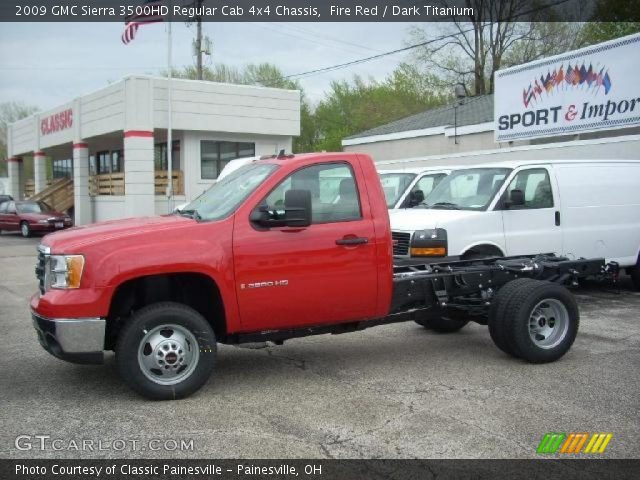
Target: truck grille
{"type": "Point", "coordinates": [401, 241]}
{"type": "Point", "coordinates": [40, 269]}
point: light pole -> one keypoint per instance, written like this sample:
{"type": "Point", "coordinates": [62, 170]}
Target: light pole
{"type": "Point", "coordinates": [460, 94]}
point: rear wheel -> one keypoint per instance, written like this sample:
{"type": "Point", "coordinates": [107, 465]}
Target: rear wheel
{"type": "Point", "coordinates": [25, 229]}
{"type": "Point", "coordinates": [166, 351]}
{"type": "Point", "coordinates": [497, 319]}
{"type": "Point", "coordinates": [443, 321]}
{"type": "Point", "coordinates": [540, 321]}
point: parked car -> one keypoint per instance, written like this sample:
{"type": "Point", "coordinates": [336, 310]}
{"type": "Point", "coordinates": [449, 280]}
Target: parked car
{"type": "Point", "coordinates": [5, 198]}
{"type": "Point", "coordinates": [407, 188]}
{"type": "Point", "coordinates": [578, 208]}
{"type": "Point", "coordinates": [283, 247]}
{"type": "Point", "coordinates": [30, 217]}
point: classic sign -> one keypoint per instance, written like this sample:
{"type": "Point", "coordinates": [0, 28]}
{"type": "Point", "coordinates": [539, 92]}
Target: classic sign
{"type": "Point", "coordinates": [581, 91]}
{"type": "Point", "coordinates": [57, 122]}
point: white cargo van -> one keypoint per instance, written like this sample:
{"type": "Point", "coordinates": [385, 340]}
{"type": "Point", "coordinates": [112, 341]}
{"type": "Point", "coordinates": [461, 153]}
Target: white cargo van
{"type": "Point", "coordinates": [409, 187]}
{"type": "Point", "coordinates": [573, 208]}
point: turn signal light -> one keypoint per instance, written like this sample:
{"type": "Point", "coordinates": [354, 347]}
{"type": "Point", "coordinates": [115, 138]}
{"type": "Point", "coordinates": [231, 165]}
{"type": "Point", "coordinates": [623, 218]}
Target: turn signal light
{"type": "Point", "coordinates": [428, 252]}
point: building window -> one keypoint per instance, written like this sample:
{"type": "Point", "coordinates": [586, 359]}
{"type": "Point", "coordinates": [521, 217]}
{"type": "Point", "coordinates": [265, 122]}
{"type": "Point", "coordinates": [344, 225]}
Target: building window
{"type": "Point", "coordinates": [214, 156]}
{"type": "Point", "coordinates": [63, 168]}
{"type": "Point", "coordinates": [103, 162]}
{"type": "Point", "coordinates": [160, 156]}
{"type": "Point", "coordinates": [116, 161]}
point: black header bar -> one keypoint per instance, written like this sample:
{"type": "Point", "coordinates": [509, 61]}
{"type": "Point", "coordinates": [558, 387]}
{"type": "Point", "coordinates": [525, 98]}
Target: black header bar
{"type": "Point", "coordinates": [301, 10]}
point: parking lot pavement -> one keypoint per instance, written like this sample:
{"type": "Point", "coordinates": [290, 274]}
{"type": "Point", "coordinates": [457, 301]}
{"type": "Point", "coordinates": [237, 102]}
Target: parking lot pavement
{"type": "Point", "coordinates": [397, 391]}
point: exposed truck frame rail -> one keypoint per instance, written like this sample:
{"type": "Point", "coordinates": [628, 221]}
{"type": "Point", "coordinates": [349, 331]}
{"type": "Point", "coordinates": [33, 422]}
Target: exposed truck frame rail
{"type": "Point", "coordinates": [467, 288]}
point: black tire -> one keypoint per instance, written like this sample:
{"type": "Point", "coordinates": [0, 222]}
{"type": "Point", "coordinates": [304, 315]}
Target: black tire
{"type": "Point", "coordinates": [25, 229]}
{"type": "Point", "coordinates": [517, 315]}
{"type": "Point", "coordinates": [497, 319]}
{"type": "Point", "coordinates": [634, 273]}
{"type": "Point", "coordinates": [146, 320]}
{"type": "Point", "coordinates": [443, 321]}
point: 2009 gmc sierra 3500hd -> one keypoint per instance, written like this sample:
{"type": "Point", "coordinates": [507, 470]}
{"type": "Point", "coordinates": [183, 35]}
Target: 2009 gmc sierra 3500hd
{"type": "Point", "coordinates": [284, 247]}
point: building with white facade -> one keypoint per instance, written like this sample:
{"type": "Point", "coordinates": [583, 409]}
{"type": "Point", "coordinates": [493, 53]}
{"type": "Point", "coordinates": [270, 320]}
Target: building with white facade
{"type": "Point", "coordinates": [110, 146]}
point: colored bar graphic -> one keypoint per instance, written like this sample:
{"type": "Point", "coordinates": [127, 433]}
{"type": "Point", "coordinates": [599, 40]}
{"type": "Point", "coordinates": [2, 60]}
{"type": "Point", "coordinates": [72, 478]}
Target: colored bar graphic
{"type": "Point", "coordinates": [550, 442]}
{"type": "Point", "coordinates": [572, 443]}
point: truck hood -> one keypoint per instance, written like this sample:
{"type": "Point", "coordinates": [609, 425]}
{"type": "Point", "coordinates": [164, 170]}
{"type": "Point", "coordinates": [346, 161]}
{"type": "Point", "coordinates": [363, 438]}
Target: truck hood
{"type": "Point", "coordinates": [411, 219]}
{"type": "Point", "coordinates": [75, 239]}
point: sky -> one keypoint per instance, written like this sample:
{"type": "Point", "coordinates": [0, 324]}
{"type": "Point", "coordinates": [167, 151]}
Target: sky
{"type": "Point", "coordinates": [46, 64]}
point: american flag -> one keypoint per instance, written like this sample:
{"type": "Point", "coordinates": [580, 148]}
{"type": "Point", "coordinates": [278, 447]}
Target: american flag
{"type": "Point", "coordinates": [146, 13]}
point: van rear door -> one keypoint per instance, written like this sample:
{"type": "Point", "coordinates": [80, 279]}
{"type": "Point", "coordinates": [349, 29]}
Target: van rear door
{"type": "Point", "coordinates": [535, 226]}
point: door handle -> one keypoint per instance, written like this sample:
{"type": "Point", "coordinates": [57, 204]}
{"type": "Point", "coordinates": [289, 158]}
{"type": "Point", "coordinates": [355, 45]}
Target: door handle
{"type": "Point", "coordinates": [557, 218]}
{"type": "Point", "coordinates": [352, 241]}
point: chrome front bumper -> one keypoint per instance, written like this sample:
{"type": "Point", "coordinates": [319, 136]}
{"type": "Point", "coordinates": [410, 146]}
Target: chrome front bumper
{"type": "Point", "coordinates": [77, 340]}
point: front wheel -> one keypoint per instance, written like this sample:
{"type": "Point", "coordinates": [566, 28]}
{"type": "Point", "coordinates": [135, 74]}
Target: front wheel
{"type": "Point", "coordinates": [166, 351]}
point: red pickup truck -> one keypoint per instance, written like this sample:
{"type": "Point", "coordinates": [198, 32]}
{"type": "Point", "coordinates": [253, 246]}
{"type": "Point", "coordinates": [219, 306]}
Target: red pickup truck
{"type": "Point", "coordinates": [284, 247]}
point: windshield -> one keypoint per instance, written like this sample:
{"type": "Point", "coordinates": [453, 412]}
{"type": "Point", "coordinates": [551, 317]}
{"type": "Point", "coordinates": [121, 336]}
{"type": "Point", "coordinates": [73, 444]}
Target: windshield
{"type": "Point", "coordinates": [224, 197]}
{"type": "Point", "coordinates": [469, 189]}
{"type": "Point", "coordinates": [394, 185]}
{"type": "Point", "coordinates": [33, 207]}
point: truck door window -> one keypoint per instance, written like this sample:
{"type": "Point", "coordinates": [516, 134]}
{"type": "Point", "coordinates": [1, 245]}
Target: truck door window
{"type": "Point", "coordinates": [334, 195]}
{"type": "Point", "coordinates": [536, 185]}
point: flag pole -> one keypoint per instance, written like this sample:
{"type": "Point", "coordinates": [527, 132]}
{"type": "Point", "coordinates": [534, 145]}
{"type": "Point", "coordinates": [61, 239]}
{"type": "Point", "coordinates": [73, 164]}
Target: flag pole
{"type": "Point", "coordinates": [169, 120]}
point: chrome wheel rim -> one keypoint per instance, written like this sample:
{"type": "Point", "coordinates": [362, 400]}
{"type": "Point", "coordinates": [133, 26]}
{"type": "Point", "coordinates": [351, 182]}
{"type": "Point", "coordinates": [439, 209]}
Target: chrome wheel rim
{"type": "Point", "coordinates": [168, 354]}
{"type": "Point", "coordinates": [25, 229]}
{"type": "Point", "coordinates": [548, 323]}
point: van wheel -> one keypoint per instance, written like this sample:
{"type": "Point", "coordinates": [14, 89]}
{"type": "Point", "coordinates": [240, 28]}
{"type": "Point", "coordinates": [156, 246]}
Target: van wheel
{"type": "Point", "coordinates": [166, 351]}
{"type": "Point", "coordinates": [25, 229]}
{"type": "Point", "coordinates": [540, 321]}
{"type": "Point", "coordinates": [443, 321]}
{"type": "Point", "coordinates": [497, 327]}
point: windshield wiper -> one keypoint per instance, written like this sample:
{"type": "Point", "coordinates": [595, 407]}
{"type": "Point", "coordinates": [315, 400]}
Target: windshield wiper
{"type": "Point", "coordinates": [445, 205]}
{"type": "Point", "coordinates": [191, 213]}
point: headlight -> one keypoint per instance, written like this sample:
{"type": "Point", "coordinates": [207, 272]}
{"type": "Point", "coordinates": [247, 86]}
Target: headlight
{"type": "Point", "coordinates": [429, 243]}
{"type": "Point", "coordinates": [64, 271]}
{"type": "Point", "coordinates": [43, 221]}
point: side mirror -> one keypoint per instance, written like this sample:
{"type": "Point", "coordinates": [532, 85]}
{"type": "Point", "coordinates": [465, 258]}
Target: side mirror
{"type": "Point", "coordinates": [516, 198]}
{"type": "Point", "coordinates": [297, 211]}
{"type": "Point", "coordinates": [297, 208]}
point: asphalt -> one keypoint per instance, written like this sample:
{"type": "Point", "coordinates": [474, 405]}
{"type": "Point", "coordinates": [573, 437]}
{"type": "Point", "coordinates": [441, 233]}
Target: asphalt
{"type": "Point", "coordinates": [396, 391]}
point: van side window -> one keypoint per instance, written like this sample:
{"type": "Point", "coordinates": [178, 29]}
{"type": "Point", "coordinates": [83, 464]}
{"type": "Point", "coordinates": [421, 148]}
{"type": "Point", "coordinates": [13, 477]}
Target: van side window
{"type": "Point", "coordinates": [334, 195]}
{"type": "Point", "coordinates": [536, 186]}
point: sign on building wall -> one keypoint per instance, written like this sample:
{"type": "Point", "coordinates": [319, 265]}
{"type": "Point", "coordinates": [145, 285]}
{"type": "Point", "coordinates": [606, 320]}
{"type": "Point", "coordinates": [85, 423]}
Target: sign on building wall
{"type": "Point", "coordinates": [585, 90]}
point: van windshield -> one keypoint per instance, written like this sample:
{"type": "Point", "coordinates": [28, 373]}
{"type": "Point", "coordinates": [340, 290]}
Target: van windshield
{"type": "Point", "coordinates": [469, 189]}
{"type": "Point", "coordinates": [394, 185]}
{"type": "Point", "coordinates": [224, 197]}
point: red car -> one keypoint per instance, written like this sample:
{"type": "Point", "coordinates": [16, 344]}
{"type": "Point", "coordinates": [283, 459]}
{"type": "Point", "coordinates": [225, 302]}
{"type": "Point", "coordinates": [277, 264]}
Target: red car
{"type": "Point", "coordinates": [30, 217]}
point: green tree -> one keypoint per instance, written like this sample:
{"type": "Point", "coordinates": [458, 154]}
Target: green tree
{"type": "Point", "coordinates": [611, 19]}
{"type": "Point", "coordinates": [10, 112]}
{"type": "Point", "coordinates": [352, 107]}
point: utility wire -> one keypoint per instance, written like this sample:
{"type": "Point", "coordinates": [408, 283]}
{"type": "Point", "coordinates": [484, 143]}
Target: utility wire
{"type": "Point", "coordinates": [414, 46]}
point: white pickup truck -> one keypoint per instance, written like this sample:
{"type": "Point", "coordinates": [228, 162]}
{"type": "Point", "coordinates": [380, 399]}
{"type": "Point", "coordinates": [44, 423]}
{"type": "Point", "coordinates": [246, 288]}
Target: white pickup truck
{"type": "Point", "coordinates": [573, 208]}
